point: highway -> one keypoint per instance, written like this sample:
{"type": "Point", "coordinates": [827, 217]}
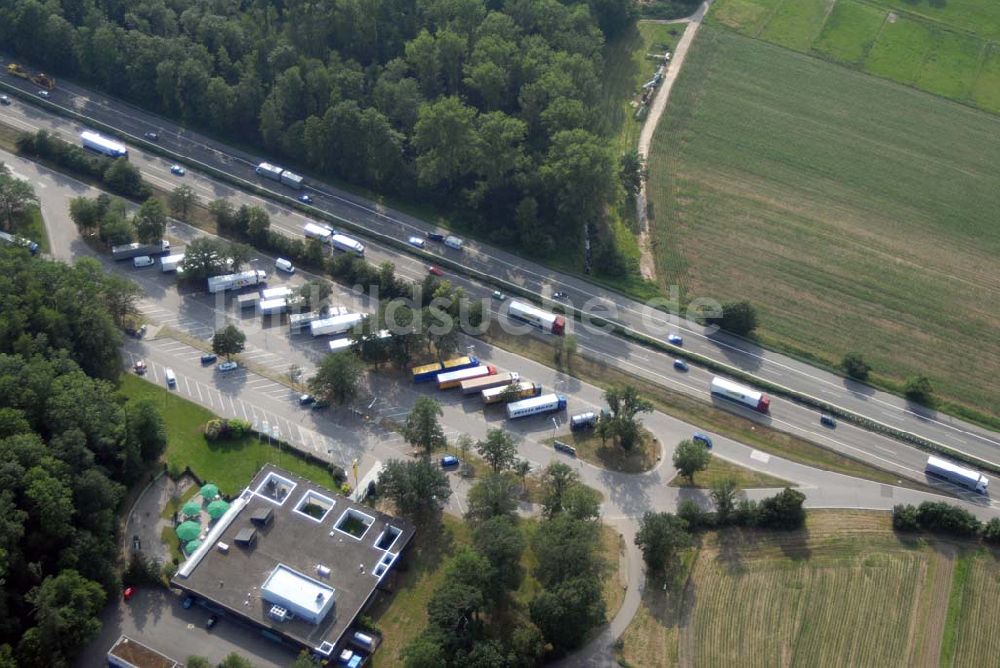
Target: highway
{"type": "Point", "coordinates": [779, 369]}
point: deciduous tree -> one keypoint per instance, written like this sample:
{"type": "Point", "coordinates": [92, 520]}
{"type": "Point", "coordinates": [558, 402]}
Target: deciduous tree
{"type": "Point", "coordinates": [498, 450]}
{"type": "Point", "coordinates": [691, 457]}
{"type": "Point", "coordinates": [422, 429]}
{"type": "Point", "coordinates": [660, 537]}
{"type": "Point", "coordinates": [338, 379]}
{"type": "Point", "coordinates": [228, 341]}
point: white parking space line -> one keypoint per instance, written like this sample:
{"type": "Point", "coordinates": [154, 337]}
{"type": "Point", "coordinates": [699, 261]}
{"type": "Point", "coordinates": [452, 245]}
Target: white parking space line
{"type": "Point", "coordinates": [232, 406]}
{"type": "Point", "coordinates": [243, 407]}
{"type": "Point", "coordinates": [187, 387]}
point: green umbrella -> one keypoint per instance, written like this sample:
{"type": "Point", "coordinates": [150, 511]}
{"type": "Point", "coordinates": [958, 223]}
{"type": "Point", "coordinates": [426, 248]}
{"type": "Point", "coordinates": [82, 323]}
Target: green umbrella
{"type": "Point", "coordinates": [209, 492]}
{"type": "Point", "coordinates": [192, 546]}
{"type": "Point", "coordinates": [217, 508]}
{"type": "Point", "coordinates": [188, 530]}
{"type": "Point", "coordinates": [191, 508]}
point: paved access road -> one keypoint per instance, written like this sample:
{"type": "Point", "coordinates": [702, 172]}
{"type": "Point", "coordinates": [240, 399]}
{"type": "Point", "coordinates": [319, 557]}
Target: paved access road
{"type": "Point", "coordinates": [779, 369]}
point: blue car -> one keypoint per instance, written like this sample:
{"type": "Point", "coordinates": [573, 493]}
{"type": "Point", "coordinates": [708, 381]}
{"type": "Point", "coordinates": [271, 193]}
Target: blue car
{"type": "Point", "coordinates": [675, 339]}
{"type": "Point", "coordinates": [702, 438]}
{"type": "Point", "coordinates": [209, 358]}
{"type": "Point", "coordinates": [680, 365]}
{"type": "Point", "coordinates": [449, 461]}
{"type": "Point", "coordinates": [827, 421]}
{"type": "Point", "coordinates": [187, 602]}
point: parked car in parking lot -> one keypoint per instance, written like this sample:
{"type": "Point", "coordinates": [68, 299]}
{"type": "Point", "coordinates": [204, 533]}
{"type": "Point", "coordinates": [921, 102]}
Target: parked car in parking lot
{"type": "Point", "coordinates": [680, 365]}
{"type": "Point", "coordinates": [702, 438]}
{"type": "Point", "coordinates": [320, 405]}
{"type": "Point", "coordinates": [209, 358]}
{"type": "Point", "coordinates": [227, 366]}
{"type": "Point", "coordinates": [449, 461]}
{"type": "Point", "coordinates": [306, 399]}
{"type": "Point", "coordinates": [675, 339]}
{"type": "Point", "coordinates": [143, 261]}
{"type": "Point", "coordinates": [140, 368]}
{"type": "Point", "coordinates": [178, 170]}
{"type": "Point", "coordinates": [170, 377]}
{"type": "Point", "coordinates": [284, 265]}
{"type": "Point", "coordinates": [187, 602]}
{"type": "Point", "coordinates": [212, 621]}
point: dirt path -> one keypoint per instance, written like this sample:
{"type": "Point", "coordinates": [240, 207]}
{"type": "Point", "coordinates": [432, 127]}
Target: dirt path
{"type": "Point", "coordinates": [646, 263]}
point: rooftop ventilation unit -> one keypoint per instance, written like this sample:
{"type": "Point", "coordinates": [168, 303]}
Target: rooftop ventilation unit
{"type": "Point", "coordinates": [278, 613]}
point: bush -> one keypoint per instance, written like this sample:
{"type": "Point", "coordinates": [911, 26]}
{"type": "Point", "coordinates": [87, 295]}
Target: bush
{"type": "Point", "coordinates": [991, 532]}
{"type": "Point", "coordinates": [239, 428]}
{"type": "Point", "coordinates": [919, 389]}
{"type": "Point", "coordinates": [745, 514]}
{"type": "Point", "coordinates": [737, 318]}
{"type": "Point", "coordinates": [855, 366]}
{"type": "Point", "coordinates": [904, 518]}
{"type": "Point", "coordinates": [215, 429]}
{"type": "Point", "coordinates": [694, 515]}
{"type": "Point", "coordinates": [941, 517]}
{"type": "Point", "coordinates": [783, 510]}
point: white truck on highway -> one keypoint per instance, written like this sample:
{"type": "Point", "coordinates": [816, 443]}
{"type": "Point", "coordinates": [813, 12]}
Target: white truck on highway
{"type": "Point", "coordinates": [101, 144]}
{"type": "Point", "coordinates": [958, 475]}
{"type": "Point", "coordinates": [342, 242]}
{"type": "Point", "coordinates": [279, 174]}
{"type": "Point", "coordinates": [236, 281]}
{"type": "Point", "coordinates": [129, 251]}
{"type": "Point", "coordinates": [172, 262]}
{"type": "Point", "coordinates": [320, 232]}
{"type": "Point", "coordinates": [740, 394]}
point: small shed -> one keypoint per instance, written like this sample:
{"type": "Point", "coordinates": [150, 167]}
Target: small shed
{"type": "Point", "coordinates": [246, 537]}
{"type": "Point", "coordinates": [262, 516]}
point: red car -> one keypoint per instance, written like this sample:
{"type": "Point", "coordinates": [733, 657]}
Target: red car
{"type": "Point", "coordinates": [434, 270]}
{"type": "Point", "coordinates": [129, 591]}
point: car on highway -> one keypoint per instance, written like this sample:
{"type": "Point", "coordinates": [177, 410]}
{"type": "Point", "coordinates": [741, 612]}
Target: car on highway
{"type": "Point", "coordinates": [675, 339]}
{"type": "Point", "coordinates": [434, 236]}
{"type": "Point", "coordinates": [680, 365]}
{"type": "Point", "coordinates": [702, 438]}
{"type": "Point", "coordinates": [140, 368]}
{"type": "Point", "coordinates": [143, 261]}
{"type": "Point", "coordinates": [4, 100]}
{"type": "Point", "coordinates": [151, 136]}
{"type": "Point", "coordinates": [209, 358]}
{"type": "Point", "coordinates": [284, 265]}
{"type": "Point", "coordinates": [305, 199]}
{"type": "Point", "coordinates": [128, 593]}
{"type": "Point", "coordinates": [178, 170]}
{"type": "Point", "coordinates": [827, 421]}
{"type": "Point", "coordinates": [212, 621]}
{"type": "Point", "coordinates": [449, 461]}
{"type": "Point", "coordinates": [306, 399]}
{"type": "Point", "coordinates": [170, 377]}
{"type": "Point", "coordinates": [227, 366]}
{"type": "Point", "coordinates": [559, 295]}
{"type": "Point", "coordinates": [499, 296]}
{"type": "Point", "coordinates": [434, 270]}
{"type": "Point", "coordinates": [43, 93]}
{"type": "Point", "coordinates": [187, 602]}
{"type": "Point", "coordinates": [416, 241]}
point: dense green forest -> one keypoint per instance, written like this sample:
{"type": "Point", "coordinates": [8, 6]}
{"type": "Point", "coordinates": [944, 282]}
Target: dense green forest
{"type": "Point", "coordinates": [486, 107]}
{"type": "Point", "coordinates": [68, 449]}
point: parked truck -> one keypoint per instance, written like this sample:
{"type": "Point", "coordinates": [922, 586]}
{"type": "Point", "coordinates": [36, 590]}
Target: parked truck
{"type": "Point", "coordinates": [477, 385]}
{"type": "Point", "coordinates": [338, 324]}
{"type": "Point", "coordinates": [236, 281]}
{"type": "Point", "coordinates": [129, 251]}
{"type": "Point", "coordinates": [745, 396]}
{"type": "Point", "coordinates": [542, 405]}
{"type": "Point", "coordinates": [249, 300]}
{"type": "Point", "coordinates": [281, 292]}
{"type": "Point", "coordinates": [98, 143]}
{"type": "Point", "coordinates": [522, 390]}
{"type": "Point", "coordinates": [427, 372]}
{"type": "Point", "coordinates": [171, 262]}
{"type": "Point", "coordinates": [298, 322]}
{"type": "Point", "coordinates": [279, 174]}
{"type": "Point", "coordinates": [450, 379]}
{"type": "Point", "coordinates": [958, 475]}
{"type": "Point", "coordinates": [543, 320]}
{"type": "Point", "coordinates": [277, 306]}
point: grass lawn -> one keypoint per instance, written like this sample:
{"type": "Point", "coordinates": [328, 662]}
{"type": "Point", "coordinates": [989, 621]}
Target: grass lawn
{"type": "Point", "coordinates": [704, 414]}
{"type": "Point", "coordinates": [857, 215]}
{"type": "Point", "coordinates": [230, 465]}
{"type": "Point", "coordinates": [720, 469]}
{"type": "Point", "coordinates": [613, 457]}
{"type": "Point", "coordinates": [402, 614]}
{"type": "Point", "coordinates": [822, 596]}
{"type": "Point", "coordinates": [900, 51]}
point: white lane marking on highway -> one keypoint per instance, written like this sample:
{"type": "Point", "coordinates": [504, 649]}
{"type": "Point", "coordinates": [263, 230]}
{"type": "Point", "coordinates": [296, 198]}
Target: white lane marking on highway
{"type": "Point", "coordinates": [761, 457]}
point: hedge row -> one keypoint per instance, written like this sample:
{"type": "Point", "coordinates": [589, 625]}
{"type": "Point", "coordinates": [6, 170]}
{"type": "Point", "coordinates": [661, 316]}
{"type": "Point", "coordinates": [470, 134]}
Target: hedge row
{"type": "Point", "coordinates": [943, 518]}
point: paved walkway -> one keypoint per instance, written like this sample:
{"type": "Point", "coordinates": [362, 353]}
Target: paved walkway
{"type": "Point", "coordinates": [646, 261]}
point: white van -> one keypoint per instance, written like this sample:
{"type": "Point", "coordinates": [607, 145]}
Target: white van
{"type": "Point", "coordinates": [284, 265]}
{"type": "Point", "coordinates": [453, 242]}
{"type": "Point", "coordinates": [143, 261]}
{"type": "Point", "coordinates": [170, 378]}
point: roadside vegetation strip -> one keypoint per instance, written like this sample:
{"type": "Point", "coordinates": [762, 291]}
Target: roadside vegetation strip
{"type": "Point", "coordinates": [641, 458]}
{"type": "Point", "coordinates": [721, 469]}
{"type": "Point", "coordinates": [856, 247]}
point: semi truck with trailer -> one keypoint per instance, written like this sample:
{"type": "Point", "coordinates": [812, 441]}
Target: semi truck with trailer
{"type": "Point", "coordinates": [338, 324]}
{"type": "Point", "coordinates": [172, 262]}
{"type": "Point", "coordinates": [477, 385]}
{"type": "Point", "coordinates": [541, 405]}
{"type": "Point", "coordinates": [236, 281]}
{"type": "Point", "coordinates": [543, 320]}
{"type": "Point", "coordinates": [101, 144]}
{"type": "Point", "coordinates": [279, 174]}
{"type": "Point", "coordinates": [298, 322]}
{"type": "Point", "coordinates": [745, 396]}
{"type": "Point", "coordinates": [273, 306]}
{"type": "Point", "coordinates": [276, 293]}
{"type": "Point", "coordinates": [314, 231]}
{"type": "Point", "coordinates": [958, 475]}
{"type": "Point", "coordinates": [427, 372]}
{"type": "Point", "coordinates": [344, 243]}
{"type": "Point", "coordinates": [523, 390]}
{"type": "Point", "coordinates": [450, 379]}
{"type": "Point", "coordinates": [129, 251]}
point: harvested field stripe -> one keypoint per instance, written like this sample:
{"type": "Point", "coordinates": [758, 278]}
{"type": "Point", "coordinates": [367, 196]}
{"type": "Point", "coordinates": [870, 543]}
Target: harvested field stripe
{"type": "Point", "coordinates": [956, 598]}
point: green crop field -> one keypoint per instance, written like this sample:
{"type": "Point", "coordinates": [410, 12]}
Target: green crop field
{"type": "Point", "coordinates": [844, 592]}
{"type": "Point", "coordinates": [945, 48]}
{"type": "Point", "coordinates": [856, 214]}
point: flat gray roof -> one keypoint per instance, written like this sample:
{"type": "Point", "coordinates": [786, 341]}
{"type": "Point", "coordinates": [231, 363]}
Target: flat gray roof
{"type": "Point", "coordinates": [302, 536]}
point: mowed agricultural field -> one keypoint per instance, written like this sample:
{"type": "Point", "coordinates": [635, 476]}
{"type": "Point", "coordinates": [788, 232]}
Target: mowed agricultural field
{"type": "Point", "coordinates": [948, 48]}
{"type": "Point", "coordinates": [856, 214]}
{"type": "Point", "coordinates": [844, 592]}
